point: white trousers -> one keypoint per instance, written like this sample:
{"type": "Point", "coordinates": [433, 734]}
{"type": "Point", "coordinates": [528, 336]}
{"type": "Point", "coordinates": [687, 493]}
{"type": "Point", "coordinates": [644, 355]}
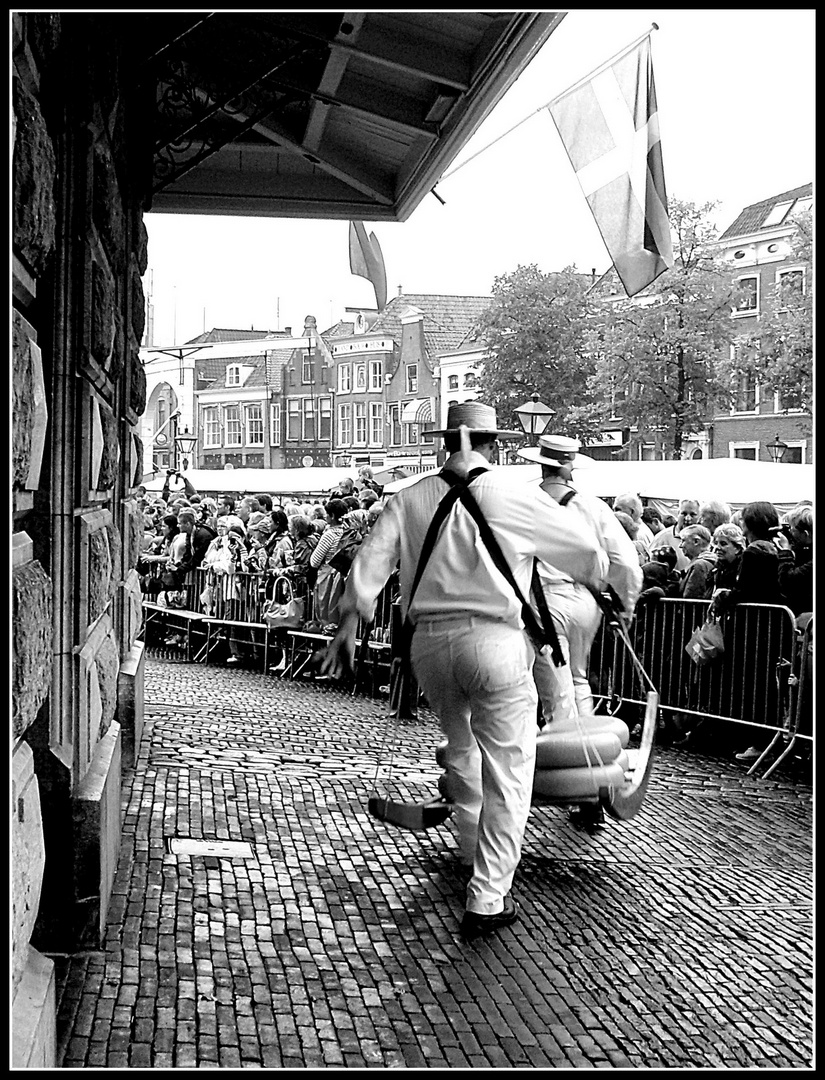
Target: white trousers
{"type": "Point", "coordinates": [565, 691]}
{"type": "Point", "coordinates": [476, 675]}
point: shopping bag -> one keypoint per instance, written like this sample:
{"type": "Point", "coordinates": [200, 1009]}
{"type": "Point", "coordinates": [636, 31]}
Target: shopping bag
{"type": "Point", "coordinates": [706, 642]}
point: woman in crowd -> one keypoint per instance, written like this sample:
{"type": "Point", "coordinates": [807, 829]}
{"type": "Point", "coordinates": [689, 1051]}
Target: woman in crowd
{"type": "Point", "coordinates": [329, 584]}
{"type": "Point", "coordinates": [224, 558]}
{"type": "Point", "coordinates": [757, 580]}
{"type": "Point", "coordinates": [728, 545]}
{"type": "Point", "coordinates": [279, 544]}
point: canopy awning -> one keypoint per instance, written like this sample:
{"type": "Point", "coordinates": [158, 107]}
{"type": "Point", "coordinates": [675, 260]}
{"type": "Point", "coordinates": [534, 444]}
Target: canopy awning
{"type": "Point", "coordinates": [417, 411]}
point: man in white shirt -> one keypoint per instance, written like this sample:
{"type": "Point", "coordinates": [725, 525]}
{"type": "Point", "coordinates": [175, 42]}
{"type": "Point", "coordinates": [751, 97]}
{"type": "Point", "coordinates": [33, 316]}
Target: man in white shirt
{"type": "Point", "coordinates": [565, 690]}
{"type": "Point", "coordinates": [470, 652]}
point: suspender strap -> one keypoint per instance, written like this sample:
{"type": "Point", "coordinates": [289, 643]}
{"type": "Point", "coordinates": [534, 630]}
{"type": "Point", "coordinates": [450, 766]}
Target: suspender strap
{"type": "Point", "coordinates": [550, 631]}
{"type": "Point", "coordinates": [538, 634]}
{"type": "Point", "coordinates": [565, 499]}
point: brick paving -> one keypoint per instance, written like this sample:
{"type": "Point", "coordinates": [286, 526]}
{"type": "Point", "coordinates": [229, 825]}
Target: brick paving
{"type": "Point", "coordinates": [680, 939]}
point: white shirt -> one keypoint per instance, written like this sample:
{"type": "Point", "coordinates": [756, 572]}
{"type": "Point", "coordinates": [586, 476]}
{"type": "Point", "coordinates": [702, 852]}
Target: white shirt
{"type": "Point", "coordinates": [624, 573]}
{"type": "Point", "coordinates": [460, 578]}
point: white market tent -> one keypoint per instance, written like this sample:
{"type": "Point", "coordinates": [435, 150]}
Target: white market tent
{"type": "Point", "coordinates": [303, 481]}
{"type": "Point", "coordinates": [735, 481]}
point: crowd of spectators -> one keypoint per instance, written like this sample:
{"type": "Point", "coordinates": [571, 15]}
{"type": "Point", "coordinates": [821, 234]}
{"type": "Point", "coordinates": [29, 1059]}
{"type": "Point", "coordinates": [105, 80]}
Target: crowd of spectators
{"type": "Point", "coordinates": [705, 552]}
{"type": "Point", "coordinates": [253, 533]}
{"type": "Point", "coordinates": [709, 552]}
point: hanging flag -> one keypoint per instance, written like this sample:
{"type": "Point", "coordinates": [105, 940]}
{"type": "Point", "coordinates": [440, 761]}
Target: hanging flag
{"type": "Point", "coordinates": [366, 260]}
{"type": "Point", "coordinates": [609, 125]}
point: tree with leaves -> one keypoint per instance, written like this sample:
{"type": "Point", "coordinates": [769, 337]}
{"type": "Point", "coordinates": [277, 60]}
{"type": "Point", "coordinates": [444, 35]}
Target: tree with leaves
{"type": "Point", "coordinates": [658, 358]}
{"type": "Point", "coordinates": [778, 352]}
{"type": "Point", "coordinates": [535, 335]}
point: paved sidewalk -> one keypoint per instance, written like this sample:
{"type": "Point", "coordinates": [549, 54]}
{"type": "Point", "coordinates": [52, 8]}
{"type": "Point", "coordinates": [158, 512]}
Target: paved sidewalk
{"type": "Point", "coordinates": [680, 939]}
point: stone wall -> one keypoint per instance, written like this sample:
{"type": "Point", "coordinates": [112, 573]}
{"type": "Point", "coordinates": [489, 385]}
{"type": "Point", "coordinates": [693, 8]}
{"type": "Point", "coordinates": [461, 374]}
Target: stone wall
{"type": "Point", "coordinates": [79, 252]}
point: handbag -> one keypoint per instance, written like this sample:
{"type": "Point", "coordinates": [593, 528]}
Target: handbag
{"type": "Point", "coordinates": [285, 609]}
{"type": "Point", "coordinates": [706, 642]}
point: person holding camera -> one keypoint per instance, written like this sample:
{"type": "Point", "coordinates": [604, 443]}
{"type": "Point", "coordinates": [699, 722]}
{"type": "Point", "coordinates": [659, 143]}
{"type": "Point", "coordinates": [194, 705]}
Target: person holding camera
{"type": "Point", "coordinates": [176, 484]}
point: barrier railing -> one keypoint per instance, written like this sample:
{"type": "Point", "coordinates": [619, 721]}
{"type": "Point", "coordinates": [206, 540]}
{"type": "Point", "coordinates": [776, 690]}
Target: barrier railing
{"type": "Point", "coordinates": [762, 680]}
{"type": "Point", "coordinates": [751, 683]}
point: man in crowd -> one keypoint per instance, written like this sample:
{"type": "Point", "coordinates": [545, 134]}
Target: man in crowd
{"type": "Point", "coordinates": [694, 543]}
{"type": "Point", "coordinates": [470, 652]}
{"type": "Point", "coordinates": [688, 515]}
{"type": "Point", "coordinates": [795, 554]}
{"type": "Point", "coordinates": [200, 536]}
{"type": "Point", "coordinates": [631, 504]}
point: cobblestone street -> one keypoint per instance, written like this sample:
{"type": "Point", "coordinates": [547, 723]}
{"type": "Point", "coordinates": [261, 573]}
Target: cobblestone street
{"type": "Point", "coordinates": [680, 939]}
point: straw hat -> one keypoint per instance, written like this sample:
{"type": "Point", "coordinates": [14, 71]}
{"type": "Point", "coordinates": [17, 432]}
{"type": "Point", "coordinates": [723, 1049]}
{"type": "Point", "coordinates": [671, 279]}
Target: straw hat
{"type": "Point", "coordinates": [477, 418]}
{"type": "Point", "coordinates": [556, 450]}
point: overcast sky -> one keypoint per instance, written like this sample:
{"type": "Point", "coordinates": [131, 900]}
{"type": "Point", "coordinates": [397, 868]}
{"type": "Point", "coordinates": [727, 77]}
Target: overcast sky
{"type": "Point", "coordinates": [736, 112]}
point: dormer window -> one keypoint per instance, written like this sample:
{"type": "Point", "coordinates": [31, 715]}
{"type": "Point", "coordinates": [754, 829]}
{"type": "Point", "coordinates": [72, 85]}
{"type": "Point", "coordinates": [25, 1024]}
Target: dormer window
{"type": "Point", "coordinates": [233, 375]}
{"type": "Point", "coordinates": [777, 213]}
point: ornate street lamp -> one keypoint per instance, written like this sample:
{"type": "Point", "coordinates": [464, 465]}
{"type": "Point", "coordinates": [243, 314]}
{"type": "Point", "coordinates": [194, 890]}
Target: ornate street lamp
{"type": "Point", "coordinates": [776, 449]}
{"type": "Point", "coordinates": [534, 416]}
{"type": "Point", "coordinates": [186, 446]}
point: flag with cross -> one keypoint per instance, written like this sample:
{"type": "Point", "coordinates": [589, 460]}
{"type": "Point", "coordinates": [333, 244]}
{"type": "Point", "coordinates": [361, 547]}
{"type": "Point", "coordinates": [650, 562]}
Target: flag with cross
{"type": "Point", "coordinates": [609, 124]}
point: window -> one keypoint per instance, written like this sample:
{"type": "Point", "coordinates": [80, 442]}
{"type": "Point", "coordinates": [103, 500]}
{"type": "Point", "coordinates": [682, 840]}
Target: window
{"type": "Point", "coordinates": [469, 380]}
{"type": "Point", "coordinates": [275, 424]}
{"type": "Point", "coordinates": [788, 401]}
{"type": "Point", "coordinates": [344, 378]}
{"type": "Point", "coordinates": [211, 428]}
{"type": "Point", "coordinates": [293, 420]}
{"type": "Point", "coordinates": [306, 368]}
{"type": "Point", "coordinates": [345, 425]}
{"type": "Point", "coordinates": [411, 434]}
{"type": "Point", "coordinates": [791, 283]}
{"type": "Point", "coordinates": [325, 418]}
{"type": "Point", "coordinates": [452, 382]}
{"type": "Point", "coordinates": [360, 376]}
{"type": "Point", "coordinates": [254, 425]}
{"type": "Point", "coordinates": [795, 454]}
{"type": "Point", "coordinates": [746, 450]}
{"type": "Point", "coordinates": [745, 393]}
{"type": "Point", "coordinates": [360, 423]}
{"type": "Point", "coordinates": [376, 374]}
{"type": "Point", "coordinates": [748, 303]}
{"type": "Point", "coordinates": [412, 378]}
{"type": "Point", "coordinates": [308, 432]}
{"type": "Point", "coordinates": [394, 421]}
{"type": "Point", "coordinates": [777, 213]}
{"type": "Point", "coordinates": [233, 375]}
{"type": "Point", "coordinates": [232, 425]}
{"type": "Point", "coordinates": [376, 423]}
{"type": "Point", "coordinates": [427, 433]}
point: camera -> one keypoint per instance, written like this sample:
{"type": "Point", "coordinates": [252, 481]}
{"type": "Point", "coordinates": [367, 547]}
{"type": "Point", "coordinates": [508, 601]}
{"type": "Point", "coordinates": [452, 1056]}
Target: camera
{"type": "Point", "coordinates": [784, 529]}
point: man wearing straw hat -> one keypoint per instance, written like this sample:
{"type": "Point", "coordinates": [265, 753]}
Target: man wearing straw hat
{"type": "Point", "coordinates": [470, 652]}
{"type": "Point", "coordinates": [565, 691]}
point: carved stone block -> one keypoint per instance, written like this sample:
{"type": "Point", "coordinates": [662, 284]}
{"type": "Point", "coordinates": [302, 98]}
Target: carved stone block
{"type": "Point", "coordinates": [31, 635]}
{"type": "Point", "coordinates": [33, 230]}
{"type": "Point", "coordinates": [110, 456]}
{"type": "Point", "coordinates": [107, 662]}
{"type": "Point", "coordinates": [104, 302]}
{"type": "Point", "coordinates": [28, 855]}
{"type": "Point", "coordinates": [108, 208]}
{"type": "Point", "coordinates": [95, 578]}
{"type": "Point", "coordinates": [29, 411]}
{"type": "Point", "coordinates": [137, 383]}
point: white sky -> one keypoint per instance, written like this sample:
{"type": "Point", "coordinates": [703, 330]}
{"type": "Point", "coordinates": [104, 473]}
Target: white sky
{"type": "Point", "coordinates": [736, 112]}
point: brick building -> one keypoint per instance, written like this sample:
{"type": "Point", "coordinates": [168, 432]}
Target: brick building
{"type": "Point", "coordinates": [757, 246]}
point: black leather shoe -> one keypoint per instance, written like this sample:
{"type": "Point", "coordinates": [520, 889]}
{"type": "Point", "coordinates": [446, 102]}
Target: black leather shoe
{"type": "Point", "coordinates": [473, 925]}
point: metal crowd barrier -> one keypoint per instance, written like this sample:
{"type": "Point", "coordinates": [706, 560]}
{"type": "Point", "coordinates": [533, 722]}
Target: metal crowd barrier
{"type": "Point", "coordinates": [762, 680]}
{"type": "Point", "coordinates": [753, 683]}
{"type": "Point", "coordinates": [220, 608]}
